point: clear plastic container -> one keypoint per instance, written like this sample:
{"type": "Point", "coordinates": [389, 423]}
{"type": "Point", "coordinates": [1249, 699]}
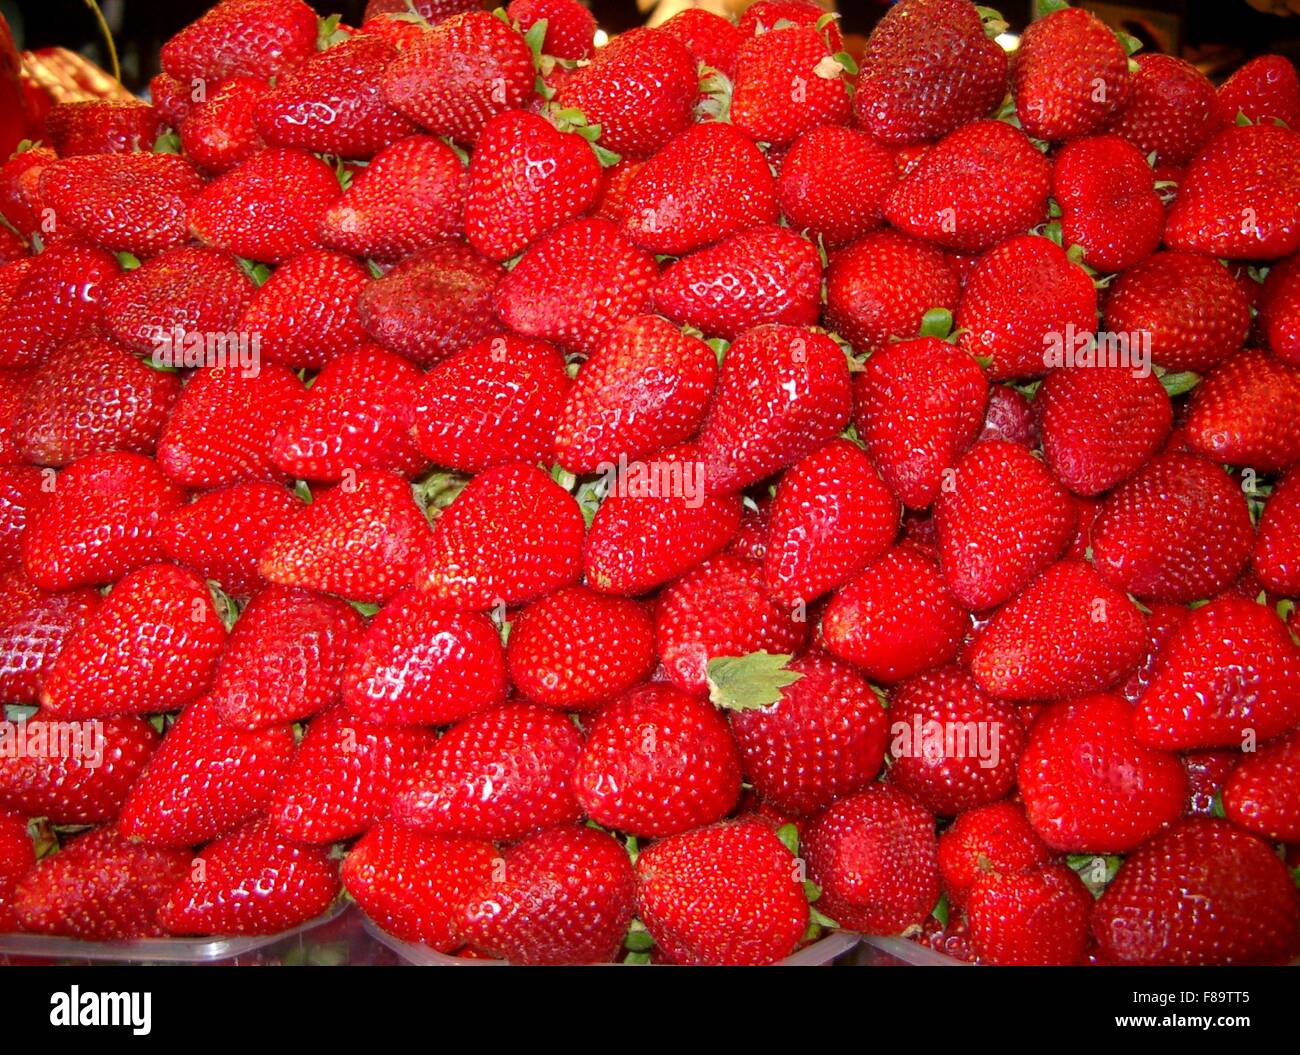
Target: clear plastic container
{"type": "Point", "coordinates": [817, 954]}
{"type": "Point", "coordinates": [902, 952]}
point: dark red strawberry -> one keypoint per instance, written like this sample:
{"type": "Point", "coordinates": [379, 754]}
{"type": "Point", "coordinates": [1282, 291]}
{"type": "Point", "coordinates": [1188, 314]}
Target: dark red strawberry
{"type": "Point", "coordinates": [32, 639]}
{"type": "Point", "coordinates": [17, 858]}
{"type": "Point", "coordinates": [1161, 622]}
{"type": "Point", "coordinates": [1279, 310]}
{"type": "Point", "coordinates": [1277, 547]}
{"type": "Point", "coordinates": [1263, 795]}
{"type": "Point", "coordinates": [13, 386]}
{"type": "Point", "coordinates": [1109, 205]}
{"type": "Point", "coordinates": [787, 82]}
{"type": "Point", "coordinates": [1031, 917]}
{"type": "Point", "coordinates": [989, 839]}
{"type": "Point", "coordinates": [833, 184]}
{"type": "Point", "coordinates": [51, 300]}
{"type": "Point", "coordinates": [1244, 413]}
{"type": "Point", "coordinates": [260, 38]}
{"type": "Point", "coordinates": [23, 490]}
{"type": "Point", "coordinates": [101, 126]}
{"type": "Point", "coordinates": [1264, 90]}
{"type": "Point", "coordinates": [220, 131]}
{"type": "Point", "coordinates": [1170, 110]}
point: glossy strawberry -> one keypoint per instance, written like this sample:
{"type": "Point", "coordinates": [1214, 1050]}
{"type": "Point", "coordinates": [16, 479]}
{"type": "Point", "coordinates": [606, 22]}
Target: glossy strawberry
{"type": "Point", "coordinates": [56, 297]}
{"type": "Point", "coordinates": [570, 27]}
{"type": "Point", "coordinates": [17, 858]}
{"type": "Point", "coordinates": [833, 183]}
{"type": "Point", "coordinates": [23, 490]}
{"type": "Point", "coordinates": [1277, 547]}
{"type": "Point", "coordinates": [32, 638]}
{"type": "Point", "coordinates": [1032, 917]}
{"type": "Point", "coordinates": [101, 126]}
{"type": "Point", "coordinates": [1170, 109]}
{"type": "Point", "coordinates": [1279, 309]}
{"type": "Point", "coordinates": [1263, 793]}
{"type": "Point", "coordinates": [260, 38]}
{"type": "Point", "coordinates": [711, 39]}
{"type": "Point", "coordinates": [1109, 205]}
{"type": "Point", "coordinates": [996, 838]}
{"type": "Point", "coordinates": [1244, 413]}
{"type": "Point", "coordinates": [786, 83]}
{"type": "Point", "coordinates": [1263, 90]}
{"type": "Point", "coordinates": [220, 130]}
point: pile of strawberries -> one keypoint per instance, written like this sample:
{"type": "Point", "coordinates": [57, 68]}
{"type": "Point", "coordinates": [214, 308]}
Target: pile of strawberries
{"type": "Point", "coordinates": [660, 501]}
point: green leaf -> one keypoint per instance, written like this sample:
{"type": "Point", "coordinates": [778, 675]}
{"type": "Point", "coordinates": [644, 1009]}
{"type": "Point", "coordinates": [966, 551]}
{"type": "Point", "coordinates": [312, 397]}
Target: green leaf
{"type": "Point", "coordinates": [607, 158]}
{"type": "Point", "coordinates": [846, 60]}
{"type": "Point", "coordinates": [168, 142]}
{"type": "Point", "coordinates": [438, 490]}
{"type": "Point", "coordinates": [1096, 870]}
{"type": "Point", "coordinates": [301, 489]}
{"type": "Point", "coordinates": [719, 347]}
{"type": "Point", "coordinates": [259, 273]}
{"type": "Point", "coordinates": [637, 959]}
{"type": "Point", "coordinates": [1216, 807]}
{"type": "Point", "coordinates": [937, 322]}
{"type": "Point", "coordinates": [227, 609]}
{"type": "Point", "coordinates": [1131, 43]}
{"type": "Point", "coordinates": [563, 477]}
{"type": "Point", "coordinates": [940, 910]}
{"type": "Point", "coordinates": [789, 836]}
{"type": "Point", "coordinates": [821, 919]}
{"type": "Point", "coordinates": [366, 608]}
{"type": "Point", "coordinates": [744, 683]}
{"type": "Point", "coordinates": [1242, 120]}
{"type": "Point", "coordinates": [638, 938]}
{"type": "Point", "coordinates": [534, 38]}
{"type": "Point", "coordinates": [329, 33]}
{"type": "Point", "coordinates": [1043, 8]}
{"type": "Point", "coordinates": [811, 891]}
{"type": "Point", "coordinates": [994, 24]}
{"type": "Point", "coordinates": [1180, 383]}
{"type": "Point", "coordinates": [1052, 232]}
{"type": "Point", "coordinates": [128, 261]}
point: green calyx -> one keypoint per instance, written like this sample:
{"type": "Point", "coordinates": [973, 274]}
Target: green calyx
{"type": "Point", "coordinates": [1043, 8]}
{"type": "Point", "coordinates": [746, 683]}
{"type": "Point", "coordinates": [329, 32]}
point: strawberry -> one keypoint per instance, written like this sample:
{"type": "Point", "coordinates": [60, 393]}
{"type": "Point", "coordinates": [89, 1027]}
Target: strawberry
{"type": "Point", "coordinates": [1161, 622]}
{"type": "Point", "coordinates": [1022, 306]}
{"type": "Point", "coordinates": [992, 541]}
{"type": "Point", "coordinates": [763, 15]}
{"type": "Point", "coordinates": [1238, 198]}
{"type": "Point", "coordinates": [510, 536]}
{"type": "Point", "coordinates": [1277, 547]}
{"type": "Point", "coordinates": [433, 304]}
{"type": "Point", "coordinates": [929, 68]}
{"type": "Point", "coordinates": [576, 286]}
{"type": "Point", "coordinates": [833, 184]}
{"type": "Point", "coordinates": [563, 896]}
{"type": "Point", "coordinates": [1263, 795]}
{"type": "Point", "coordinates": [639, 88]}
{"type": "Point", "coordinates": [454, 78]}
{"type": "Point", "coordinates": [1265, 89]}
{"type": "Point", "coordinates": [419, 663]}
{"type": "Point", "coordinates": [221, 428]}
{"type": "Point", "coordinates": [1009, 416]}
{"type": "Point", "coordinates": [17, 858]}
{"type": "Point", "coordinates": [84, 772]}
{"type": "Point", "coordinates": [874, 856]}
{"type": "Point", "coordinates": [644, 389]}
{"type": "Point", "coordinates": [895, 619]}
{"type": "Point", "coordinates": [251, 881]}
{"type": "Point", "coordinates": [764, 275]}
{"type": "Point", "coordinates": [787, 82]}
{"type": "Point", "coordinates": [996, 839]}
{"type": "Point", "coordinates": [1109, 205]}
{"type": "Point", "coordinates": [706, 184]}
{"type": "Point", "coordinates": [726, 895]}
{"type": "Point", "coordinates": [1178, 531]}
{"type": "Point", "coordinates": [220, 131]}
{"type": "Point", "coordinates": [222, 533]}
{"type": "Point", "coordinates": [13, 386]}
{"type": "Point", "coordinates": [246, 212]}
{"type": "Point", "coordinates": [721, 608]}
{"type": "Point", "coordinates": [526, 178]}
{"type": "Point", "coordinates": [1170, 109]}
{"type": "Point", "coordinates": [1202, 893]}
{"type": "Point", "coordinates": [1067, 634]}
{"type": "Point", "coordinates": [92, 395]}
{"type": "Point", "coordinates": [23, 490]}
{"type": "Point", "coordinates": [362, 539]}
{"type": "Point", "coordinates": [570, 27]}
{"type": "Point", "coordinates": [102, 126]}
{"type": "Point", "coordinates": [1279, 309]}
{"type": "Point", "coordinates": [411, 196]}
{"type": "Point", "coordinates": [333, 103]}
{"type": "Point", "coordinates": [822, 737]}
{"type": "Point", "coordinates": [782, 393]}
{"type": "Point", "coordinates": [260, 38]}
{"type": "Point", "coordinates": [20, 202]}
{"type": "Point", "coordinates": [32, 639]}
{"type": "Point", "coordinates": [917, 406]}
{"type": "Point", "coordinates": [1100, 424]}
{"type": "Point", "coordinates": [1032, 917]}
{"type": "Point", "coordinates": [173, 100]}
{"type": "Point", "coordinates": [1069, 75]}
{"type": "Point", "coordinates": [1194, 312]}
{"type": "Point", "coordinates": [431, 11]}
{"type": "Point", "coordinates": [832, 516]}
{"type": "Point", "coordinates": [1244, 413]}
{"type": "Point", "coordinates": [103, 520]}
{"type": "Point", "coordinates": [974, 188]}
{"type": "Point", "coordinates": [1229, 676]}
{"type": "Point", "coordinates": [500, 775]}
{"type": "Point", "coordinates": [100, 887]}
{"type": "Point", "coordinates": [710, 38]}
{"type": "Point", "coordinates": [180, 291]}
{"type": "Point", "coordinates": [494, 403]}
{"type": "Point", "coordinates": [631, 775]}
{"type": "Point", "coordinates": [416, 886]}
{"type": "Point", "coordinates": [575, 649]}
{"type": "Point", "coordinates": [658, 522]}
{"type": "Point", "coordinates": [56, 297]}
{"type": "Point", "coordinates": [354, 417]}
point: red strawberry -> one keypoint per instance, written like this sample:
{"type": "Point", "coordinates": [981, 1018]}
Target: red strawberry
{"type": "Point", "coordinates": [1229, 676]}
{"type": "Point", "coordinates": [1069, 74]}
{"type": "Point", "coordinates": [928, 69]}
{"type": "Point", "coordinates": [639, 88]}
{"type": "Point", "coordinates": [821, 738]}
{"type": "Point", "coordinates": [765, 14]}
{"type": "Point", "coordinates": [1244, 413]}
{"type": "Point", "coordinates": [1265, 89]}
{"type": "Point", "coordinates": [1263, 793]}
{"type": "Point", "coordinates": [32, 639]}
{"type": "Point", "coordinates": [361, 539]}
{"type": "Point", "coordinates": [563, 896]}
{"type": "Point", "coordinates": [454, 78]}
{"type": "Point", "coordinates": [431, 11]}
{"type": "Point", "coordinates": [575, 649]}
{"type": "Point", "coordinates": [500, 775]}
{"type": "Point", "coordinates": [726, 895]}
{"type": "Point", "coordinates": [974, 188]}
{"type": "Point", "coordinates": [1009, 416]}
{"type": "Point", "coordinates": [416, 886]}
{"type": "Point", "coordinates": [103, 520]}
{"type": "Point", "coordinates": [1277, 547]}
{"type": "Point", "coordinates": [1178, 531]}
{"type": "Point", "coordinates": [1190, 306]}
{"type": "Point", "coordinates": [102, 126]}
{"type": "Point", "coordinates": [918, 406]}
{"type": "Point", "coordinates": [782, 393]}
{"type": "Point", "coordinates": [100, 887]}
{"type": "Point", "coordinates": [1279, 310]}
{"type": "Point", "coordinates": [570, 27]}
{"type": "Point", "coordinates": [75, 772]}
{"type": "Point", "coordinates": [510, 536]}
{"type": "Point", "coordinates": [787, 82]}
{"type": "Point", "coordinates": [354, 417]}
{"type": "Point", "coordinates": [633, 771]}
{"type": "Point", "coordinates": [220, 131]}
{"type": "Point", "coordinates": [433, 304]}
{"type": "Point", "coordinates": [895, 619]}
{"type": "Point", "coordinates": [20, 190]}
{"type": "Point", "coordinates": [1161, 622]}
{"type": "Point", "coordinates": [1202, 893]}
{"type": "Point", "coordinates": [92, 395]}
{"type": "Point", "coordinates": [993, 541]}
{"type": "Point", "coordinates": [13, 386]}
{"type": "Point", "coordinates": [53, 299]}
{"type": "Point", "coordinates": [989, 839]}
{"type": "Point", "coordinates": [17, 858]}
{"type": "Point", "coordinates": [419, 663]}
{"type": "Point", "coordinates": [1030, 918]}
{"type": "Point", "coordinates": [833, 184]}
{"type": "Point", "coordinates": [23, 490]}
{"type": "Point", "coordinates": [410, 196]}
{"type": "Point", "coordinates": [710, 38]}
{"type": "Point", "coordinates": [251, 882]}
{"type": "Point", "coordinates": [260, 38]}
{"type": "Point", "coordinates": [1238, 198]}
{"type": "Point", "coordinates": [1108, 202]}
{"type": "Point", "coordinates": [496, 402]}
{"type": "Point", "coordinates": [1170, 110]}
{"type": "Point", "coordinates": [247, 212]}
